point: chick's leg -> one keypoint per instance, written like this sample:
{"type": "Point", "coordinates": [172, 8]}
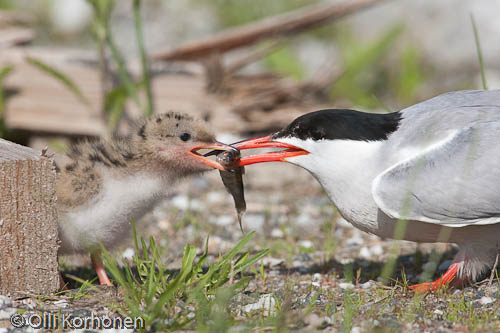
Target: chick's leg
{"type": "Point", "coordinates": [99, 269]}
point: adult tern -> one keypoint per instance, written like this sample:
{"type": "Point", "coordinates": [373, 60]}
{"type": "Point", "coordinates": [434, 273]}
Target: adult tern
{"type": "Point", "coordinates": [434, 166]}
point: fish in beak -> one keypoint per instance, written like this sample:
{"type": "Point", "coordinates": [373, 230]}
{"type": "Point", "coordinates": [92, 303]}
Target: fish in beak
{"type": "Point", "coordinates": [266, 142]}
{"type": "Point", "coordinates": [216, 146]}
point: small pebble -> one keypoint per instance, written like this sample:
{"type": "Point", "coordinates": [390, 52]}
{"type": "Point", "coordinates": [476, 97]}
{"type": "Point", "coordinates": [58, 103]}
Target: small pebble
{"type": "Point", "coordinates": [355, 239]}
{"type": "Point", "coordinates": [377, 250]}
{"type": "Point", "coordinates": [196, 205]}
{"type": "Point", "coordinates": [304, 220]}
{"type": "Point", "coordinates": [271, 262]}
{"type": "Point", "coordinates": [128, 253]}
{"type": "Point", "coordinates": [225, 220]}
{"type": "Point", "coordinates": [215, 197]}
{"type": "Point", "coordinates": [486, 300]}
{"type": "Point", "coordinates": [317, 277]}
{"type": "Point", "coordinates": [366, 285]}
{"type": "Point", "coordinates": [345, 261]}
{"type": "Point", "coordinates": [254, 221]}
{"type": "Point", "coordinates": [61, 303]}
{"type": "Point", "coordinates": [5, 302]}
{"type": "Point", "coordinates": [346, 285]}
{"type": "Point", "coordinates": [365, 253]}
{"type": "Point", "coordinates": [181, 202]}
{"type": "Point", "coordinates": [313, 320]}
{"type": "Point", "coordinates": [277, 233]}
{"type": "Point", "coordinates": [164, 224]}
{"type": "Point", "coordinates": [315, 284]}
{"type": "Point", "coordinates": [266, 302]}
{"type": "Point", "coordinates": [191, 315]}
{"type": "Point", "coordinates": [438, 312]}
{"type": "Point", "coordinates": [6, 313]}
{"type": "Point", "coordinates": [306, 244]}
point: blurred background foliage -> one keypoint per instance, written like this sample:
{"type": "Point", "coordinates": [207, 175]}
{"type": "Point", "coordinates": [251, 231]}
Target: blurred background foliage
{"type": "Point", "coordinates": [232, 13]}
{"type": "Point", "coordinates": [367, 73]}
{"type": "Point", "coordinates": [373, 70]}
{"type": "Point", "coordinates": [384, 69]}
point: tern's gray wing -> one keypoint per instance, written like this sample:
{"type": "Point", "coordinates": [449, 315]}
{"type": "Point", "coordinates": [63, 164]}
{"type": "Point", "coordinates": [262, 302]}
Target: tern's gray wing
{"type": "Point", "coordinates": [455, 182]}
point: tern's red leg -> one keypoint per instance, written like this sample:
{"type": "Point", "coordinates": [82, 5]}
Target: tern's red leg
{"type": "Point", "coordinates": [99, 269]}
{"type": "Point", "coordinates": [441, 282]}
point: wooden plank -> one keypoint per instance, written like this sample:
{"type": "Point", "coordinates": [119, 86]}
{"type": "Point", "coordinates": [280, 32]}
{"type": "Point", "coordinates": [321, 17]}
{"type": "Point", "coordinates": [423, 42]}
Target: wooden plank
{"type": "Point", "coordinates": [28, 221]}
{"type": "Point", "coordinates": [16, 36]}
{"type": "Point", "coordinates": [42, 105]}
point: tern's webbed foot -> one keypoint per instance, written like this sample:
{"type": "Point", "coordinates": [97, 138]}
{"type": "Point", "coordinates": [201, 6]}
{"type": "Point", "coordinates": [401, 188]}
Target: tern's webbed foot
{"type": "Point", "coordinates": [443, 282]}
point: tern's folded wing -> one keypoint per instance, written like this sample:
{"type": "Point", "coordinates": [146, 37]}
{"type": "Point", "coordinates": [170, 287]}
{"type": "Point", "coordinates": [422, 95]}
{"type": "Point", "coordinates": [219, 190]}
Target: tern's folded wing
{"type": "Point", "coordinates": [455, 182]}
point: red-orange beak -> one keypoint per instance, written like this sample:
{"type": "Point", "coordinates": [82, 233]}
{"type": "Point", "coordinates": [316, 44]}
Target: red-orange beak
{"type": "Point", "coordinates": [205, 160]}
{"type": "Point", "coordinates": [265, 142]}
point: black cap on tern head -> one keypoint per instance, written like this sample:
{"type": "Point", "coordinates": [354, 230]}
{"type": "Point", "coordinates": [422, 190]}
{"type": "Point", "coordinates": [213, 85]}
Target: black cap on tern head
{"type": "Point", "coordinates": [341, 124]}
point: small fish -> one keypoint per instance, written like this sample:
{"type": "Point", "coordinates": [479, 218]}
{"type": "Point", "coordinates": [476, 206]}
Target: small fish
{"type": "Point", "coordinates": [233, 179]}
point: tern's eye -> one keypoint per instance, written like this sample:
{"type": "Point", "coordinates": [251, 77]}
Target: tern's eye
{"type": "Point", "coordinates": [185, 136]}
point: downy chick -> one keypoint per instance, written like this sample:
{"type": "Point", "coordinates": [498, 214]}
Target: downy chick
{"type": "Point", "coordinates": [102, 185]}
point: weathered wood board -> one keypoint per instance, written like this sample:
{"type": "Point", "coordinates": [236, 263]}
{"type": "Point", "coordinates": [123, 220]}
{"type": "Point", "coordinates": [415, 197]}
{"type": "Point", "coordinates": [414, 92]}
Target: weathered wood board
{"type": "Point", "coordinates": [40, 104]}
{"type": "Point", "coordinates": [28, 221]}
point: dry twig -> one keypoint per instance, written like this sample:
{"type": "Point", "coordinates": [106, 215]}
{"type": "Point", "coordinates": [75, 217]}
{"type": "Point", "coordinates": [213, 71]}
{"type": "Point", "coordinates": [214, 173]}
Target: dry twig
{"type": "Point", "coordinates": [493, 270]}
{"type": "Point", "coordinates": [279, 25]}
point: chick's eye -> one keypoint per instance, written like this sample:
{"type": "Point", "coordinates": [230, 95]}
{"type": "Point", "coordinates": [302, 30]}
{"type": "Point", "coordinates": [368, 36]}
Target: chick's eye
{"type": "Point", "coordinates": [185, 136]}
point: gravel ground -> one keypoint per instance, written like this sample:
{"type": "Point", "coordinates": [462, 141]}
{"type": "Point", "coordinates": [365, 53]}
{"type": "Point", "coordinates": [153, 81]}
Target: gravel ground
{"type": "Point", "coordinates": [321, 273]}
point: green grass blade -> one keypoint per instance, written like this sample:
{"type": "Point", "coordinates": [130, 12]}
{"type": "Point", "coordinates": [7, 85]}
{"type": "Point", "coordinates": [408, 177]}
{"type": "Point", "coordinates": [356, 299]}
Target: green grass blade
{"type": "Point", "coordinates": [479, 52]}
{"type": "Point", "coordinates": [5, 71]}
{"type": "Point", "coordinates": [235, 250]}
{"type": "Point", "coordinates": [148, 110]}
{"type": "Point", "coordinates": [125, 77]}
{"type": "Point", "coordinates": [114, 105]}
{"type": "Point", "coordinates": [244, 265]}
{"type": "Point", "coordinates": [187, 265]}
{"type": "Point", "coordinates": [150, 288]}
{"type": "Point", "coordinates": [58, 75]}
{"type": "Point", "coordinates": [284, 61]}
{"type": "Point", "coordinates": [154, 297]}
{"type": "Point", "coordinates": [360, 59]}
{"type": "Point", "coordinates": [134, 235]}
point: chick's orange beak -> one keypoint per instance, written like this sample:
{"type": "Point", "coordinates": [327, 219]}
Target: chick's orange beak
{"type": "Point", "coordinates": [267, 142]}
{"type": "Point", "coordinates": [205, 160]}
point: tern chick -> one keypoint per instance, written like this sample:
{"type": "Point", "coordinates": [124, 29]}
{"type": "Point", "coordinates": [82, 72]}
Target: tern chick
{"type": "Point", "coordinates": [102, 185]}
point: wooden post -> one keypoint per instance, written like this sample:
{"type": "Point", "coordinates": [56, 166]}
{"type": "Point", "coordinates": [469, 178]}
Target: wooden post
{"type": "Point", "coordinates": [28, 221]}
